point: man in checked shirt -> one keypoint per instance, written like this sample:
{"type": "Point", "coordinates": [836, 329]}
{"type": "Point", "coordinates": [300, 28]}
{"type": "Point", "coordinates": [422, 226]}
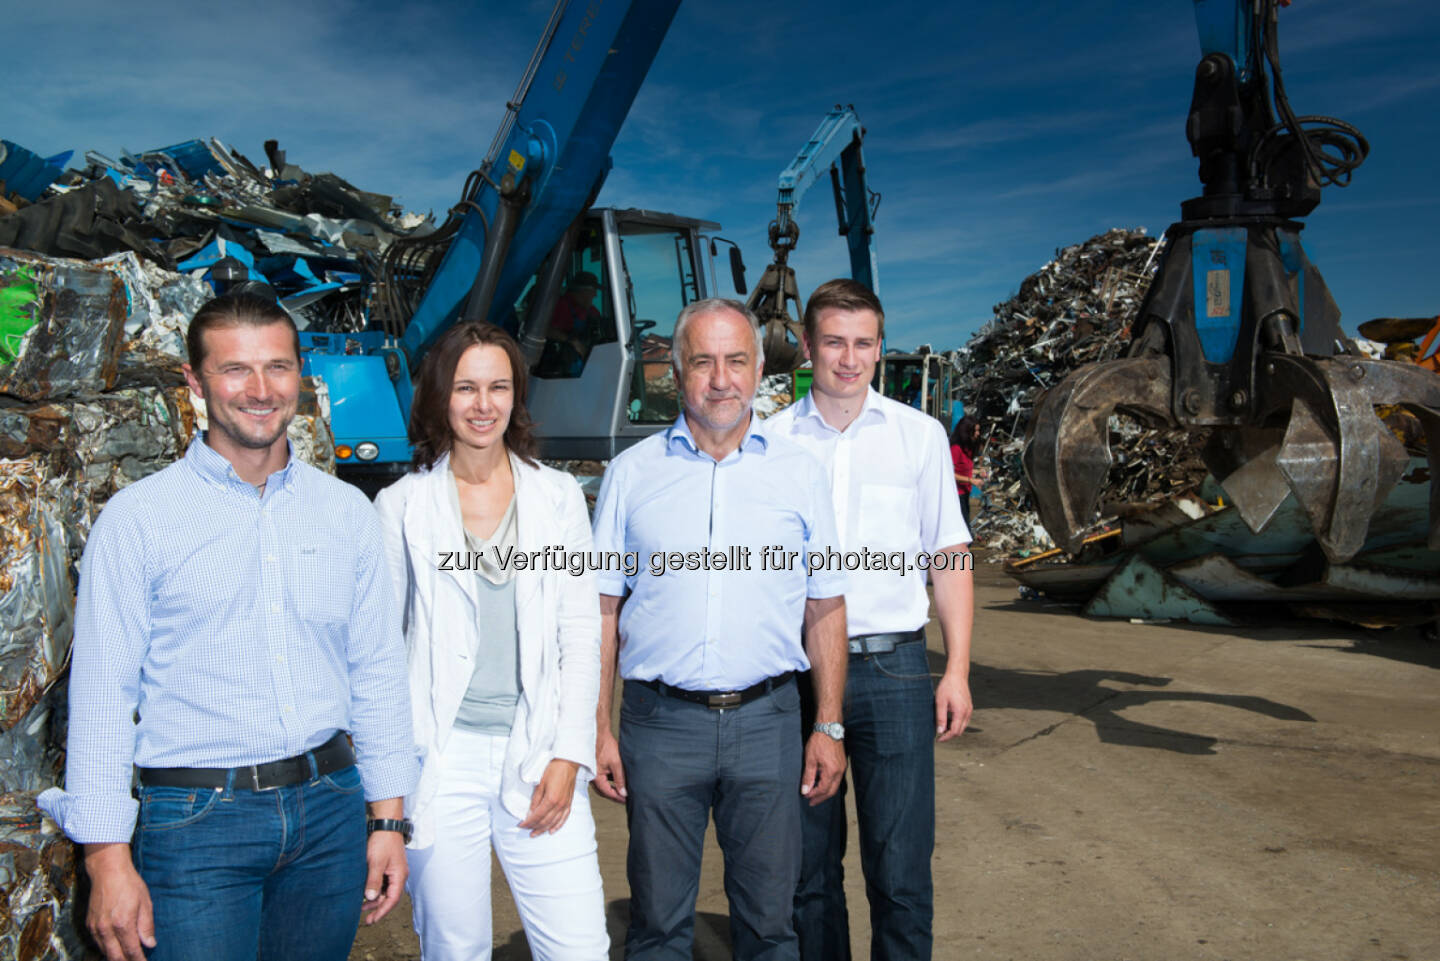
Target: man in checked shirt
{"type": "Point", "coordinates": [234, 622]}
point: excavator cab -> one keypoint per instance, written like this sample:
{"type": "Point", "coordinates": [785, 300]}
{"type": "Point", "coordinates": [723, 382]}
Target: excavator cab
{"type": "Point", "coordinates": [604, 378]}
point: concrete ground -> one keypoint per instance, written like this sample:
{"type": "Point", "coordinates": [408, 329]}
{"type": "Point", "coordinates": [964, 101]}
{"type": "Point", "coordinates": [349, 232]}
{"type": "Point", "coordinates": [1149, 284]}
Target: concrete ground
{"type": "Point", "coordinates": [1151, 791]}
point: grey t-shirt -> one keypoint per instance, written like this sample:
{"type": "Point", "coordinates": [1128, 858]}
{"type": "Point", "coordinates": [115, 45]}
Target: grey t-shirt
{"type": "Point", "coordinates": [489, 703]}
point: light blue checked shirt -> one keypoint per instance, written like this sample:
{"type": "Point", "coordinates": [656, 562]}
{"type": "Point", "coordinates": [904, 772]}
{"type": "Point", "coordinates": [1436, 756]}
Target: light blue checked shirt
{"type": "Point", "coordinates": [216, 627]}
{"type": "Point", "coordinates": [720, 630]}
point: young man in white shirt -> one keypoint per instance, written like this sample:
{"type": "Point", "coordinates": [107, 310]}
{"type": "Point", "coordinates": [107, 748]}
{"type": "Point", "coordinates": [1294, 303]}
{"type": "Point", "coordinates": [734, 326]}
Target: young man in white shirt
{"type": "Point", "coordinates": [895, 498]}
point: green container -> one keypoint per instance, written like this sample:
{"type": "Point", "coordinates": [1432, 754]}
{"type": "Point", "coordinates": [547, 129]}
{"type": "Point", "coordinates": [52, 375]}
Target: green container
{"type": "Point", "coordinates": [800, 382]}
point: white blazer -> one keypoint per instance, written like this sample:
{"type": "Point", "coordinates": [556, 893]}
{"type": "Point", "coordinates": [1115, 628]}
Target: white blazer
{"type": "Point", "coordinates": [557, 615]}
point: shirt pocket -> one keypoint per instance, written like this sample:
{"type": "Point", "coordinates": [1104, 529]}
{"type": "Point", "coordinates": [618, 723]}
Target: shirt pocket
{"type": "Point", "coordinates": [322, 583]}
{"type": "Point", "coordinates": [887, 516]}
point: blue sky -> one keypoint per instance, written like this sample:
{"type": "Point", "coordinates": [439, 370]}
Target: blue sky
{"type": "Point", "coordinates": [996, 132]}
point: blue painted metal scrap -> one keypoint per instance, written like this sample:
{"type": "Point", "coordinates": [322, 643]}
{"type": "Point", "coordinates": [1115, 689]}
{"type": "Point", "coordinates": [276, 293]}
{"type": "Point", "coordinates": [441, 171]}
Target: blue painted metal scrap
{"type": "Point", "coordinates": [26, 173]}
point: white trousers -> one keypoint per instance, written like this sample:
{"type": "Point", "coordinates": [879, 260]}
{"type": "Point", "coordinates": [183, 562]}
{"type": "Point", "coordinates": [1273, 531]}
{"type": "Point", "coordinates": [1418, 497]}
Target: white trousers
{"type": "Point", "coordinates": [554, 878]}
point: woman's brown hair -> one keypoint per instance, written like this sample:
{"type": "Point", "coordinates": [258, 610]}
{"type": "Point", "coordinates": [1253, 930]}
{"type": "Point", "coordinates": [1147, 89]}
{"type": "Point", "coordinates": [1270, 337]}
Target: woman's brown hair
{"type": "Point", "coordinates": [430, 432]}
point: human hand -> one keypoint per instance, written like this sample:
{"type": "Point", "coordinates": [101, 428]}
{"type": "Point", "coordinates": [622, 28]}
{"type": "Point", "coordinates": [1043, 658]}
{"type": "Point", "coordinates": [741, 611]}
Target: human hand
{"type": "Point", "coordinates": [550, 802]}
{"type": "Point", "coordinates": [952, 706]}
{"type": "Point", "coordinates": [120, 917]}
{"type": "Point", "coordinates": [388, 869]}
{"type": "Point", "coordinates": [824, 766]}
{"type": "Point", "coordinates": [609, 772]}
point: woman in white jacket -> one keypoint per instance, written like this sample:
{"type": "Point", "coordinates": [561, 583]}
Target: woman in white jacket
{"type": "Point", "coordinates": [504, 661]}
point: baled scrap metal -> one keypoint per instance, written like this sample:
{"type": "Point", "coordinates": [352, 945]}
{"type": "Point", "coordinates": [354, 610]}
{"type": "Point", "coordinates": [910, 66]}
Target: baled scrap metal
{"type": "Point", "coordinates": [76, 324]}
{"type": "Point", "coordinates": [89, 448]}
{"type": "Point", "coordinates": [37, 604]}
{"type": "Point", "coordinates": [37, 879]}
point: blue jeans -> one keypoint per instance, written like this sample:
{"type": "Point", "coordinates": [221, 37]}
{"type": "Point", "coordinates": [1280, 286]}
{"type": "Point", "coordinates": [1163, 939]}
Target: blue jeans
{"type": "Point", "coordinates": [890, 740]}
{"type": "Point", "coordinates": [681, 761]}
{"type": "Point", "coordinates": [236, 874]}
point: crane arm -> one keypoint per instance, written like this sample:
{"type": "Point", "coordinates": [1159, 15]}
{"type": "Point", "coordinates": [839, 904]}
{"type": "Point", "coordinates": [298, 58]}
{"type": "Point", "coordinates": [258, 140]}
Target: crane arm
{"type": "Point", "coordinates": [834, 147]}
{"type": "Point", "coordinates": [548, 161]}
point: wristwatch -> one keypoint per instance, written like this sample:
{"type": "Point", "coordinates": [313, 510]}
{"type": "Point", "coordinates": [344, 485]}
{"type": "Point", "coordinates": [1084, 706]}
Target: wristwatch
{"type": "Point", "coordinates": [402, 825]}
{"type": "Point", "coordinates": [834, 730]}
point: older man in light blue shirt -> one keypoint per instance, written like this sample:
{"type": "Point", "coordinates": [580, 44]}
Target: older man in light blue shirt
{"type": "Point", "coordinates": [736, 538]}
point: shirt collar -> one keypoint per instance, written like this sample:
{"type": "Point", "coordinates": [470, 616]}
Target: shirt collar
{"type": "Point", "coordinates": [870, 407]}
{"type": "Point", "coordinates": [212, 465]}
{"type": "Point", "coordinates": [679, 433]}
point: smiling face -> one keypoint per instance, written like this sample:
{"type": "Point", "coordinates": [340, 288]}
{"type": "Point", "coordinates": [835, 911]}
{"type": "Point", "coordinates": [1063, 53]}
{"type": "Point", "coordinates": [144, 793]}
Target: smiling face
{"type": "Point", "coordinates": [844, 352]}
{"type": "Point", "coordinates": [481, 397]}
{"type": "Point", "coordinates": [250, 381]}
{"type": "Point", "coordinates": [719, 370]}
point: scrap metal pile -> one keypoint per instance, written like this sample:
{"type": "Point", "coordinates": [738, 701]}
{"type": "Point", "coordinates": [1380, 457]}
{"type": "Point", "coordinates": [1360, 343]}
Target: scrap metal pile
{"type": "Point", "coordinates": [1166, 544]}
{"type": "Point", "coordinates": [203, 208]}
{"type": "Point", "coordinates": [92, 398]}
{"type": "Point", "coordinates": [1075, 310]}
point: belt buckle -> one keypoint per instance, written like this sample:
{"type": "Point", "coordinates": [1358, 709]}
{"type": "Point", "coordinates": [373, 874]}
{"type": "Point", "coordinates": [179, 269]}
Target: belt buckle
{"type": "Point", "coordinates": [728, 699]}
{"type": "Point", "coordinates": [254, 771]}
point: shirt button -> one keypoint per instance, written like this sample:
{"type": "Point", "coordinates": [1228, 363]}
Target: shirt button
{"type": "Point", "coordinates": [269, 558]}
{"type": "Point", "coordinates": [289, 709]}
{"type": "Point", "coordinates": [275, 608]}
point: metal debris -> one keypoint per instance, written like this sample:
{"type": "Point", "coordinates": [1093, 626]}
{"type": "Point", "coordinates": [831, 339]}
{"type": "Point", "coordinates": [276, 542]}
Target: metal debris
{"type": "Point", "coordinates": [64, 323]}
{"type": "Point", "coordinates": [1075, 310]}
{"type": "Point", "coordinates": [37, 878]}
{"type": "Point", "coordinates": [1193, 560]}
{"type": "Point", "coordinates": [773, 394]}
{"type": "Point", "coordinates": [204, 210]}
{"type": "Point", "coordinates": [36, 602]}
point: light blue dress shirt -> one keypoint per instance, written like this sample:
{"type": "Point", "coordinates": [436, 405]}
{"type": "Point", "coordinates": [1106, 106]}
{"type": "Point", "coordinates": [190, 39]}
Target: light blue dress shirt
{"type": "Point", "coordinates": [718, 629]}
{"type": "Point", "coordinates": [216, 627]}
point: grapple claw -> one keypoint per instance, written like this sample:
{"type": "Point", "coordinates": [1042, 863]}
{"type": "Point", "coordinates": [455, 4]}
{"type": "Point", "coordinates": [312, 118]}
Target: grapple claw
{"type": "Point", "coordinates": [1067, 449]}
{"type": "Point", "coordinates": [1243, 461]}
{"type": "Point", "coordinates": [1338, 457]}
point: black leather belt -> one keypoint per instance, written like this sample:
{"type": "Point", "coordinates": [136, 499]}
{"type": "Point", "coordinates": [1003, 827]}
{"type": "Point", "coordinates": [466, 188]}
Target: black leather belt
{"type": "Point", "coordinates": [719, 699]}
{"type": "Point", "coordinates": [863, 644]}
{"type": "Point", "coordinates": [334, 755]}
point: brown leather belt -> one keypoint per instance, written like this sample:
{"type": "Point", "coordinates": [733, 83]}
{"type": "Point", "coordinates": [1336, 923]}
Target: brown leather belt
{"type": "Point", "coordinates": [720, 699]}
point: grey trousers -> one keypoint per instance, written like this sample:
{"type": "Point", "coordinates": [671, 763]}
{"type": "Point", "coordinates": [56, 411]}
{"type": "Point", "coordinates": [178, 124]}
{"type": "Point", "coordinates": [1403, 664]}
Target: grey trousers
{"type": "Point", "coordinates": [682, 761]}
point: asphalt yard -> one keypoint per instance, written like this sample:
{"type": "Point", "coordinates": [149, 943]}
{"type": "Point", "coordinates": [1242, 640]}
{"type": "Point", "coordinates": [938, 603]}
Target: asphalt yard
{"type": "Point", "coordinates": [1150, 791]}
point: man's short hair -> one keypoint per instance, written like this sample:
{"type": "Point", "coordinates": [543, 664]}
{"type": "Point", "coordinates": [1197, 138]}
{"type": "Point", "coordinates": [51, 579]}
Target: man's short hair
{"type": "Point", "coordinates": [714, 305]}
{"type": "Point", "coordinates": [234, 310]}
{"type": "Point", "coordinates": [841, 294]}
{"type": "Point", "coordinates": [583, 279]}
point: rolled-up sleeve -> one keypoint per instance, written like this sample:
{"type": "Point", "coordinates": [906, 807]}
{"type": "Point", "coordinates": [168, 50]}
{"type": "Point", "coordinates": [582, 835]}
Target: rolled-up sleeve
{"type": "Point", "coordinates": [379, 689]}
{"type": "Point", "coordinates": [112, 635]}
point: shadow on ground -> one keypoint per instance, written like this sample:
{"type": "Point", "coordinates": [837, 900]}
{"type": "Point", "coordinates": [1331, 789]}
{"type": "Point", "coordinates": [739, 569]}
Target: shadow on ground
{"type": "Point", "coordinates": [1088, 694]}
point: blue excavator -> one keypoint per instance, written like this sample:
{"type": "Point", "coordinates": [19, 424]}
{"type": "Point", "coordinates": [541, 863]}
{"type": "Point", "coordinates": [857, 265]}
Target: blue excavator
{"type": "Point", "coordinates": [1238, 335]}
{"type": "Point", "coordinates": [591, 293]}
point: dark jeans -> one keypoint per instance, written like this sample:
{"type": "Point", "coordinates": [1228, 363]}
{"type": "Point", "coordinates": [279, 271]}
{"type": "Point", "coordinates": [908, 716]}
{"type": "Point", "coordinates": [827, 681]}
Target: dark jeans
{"type": "Point", "coordinates": [890, 740]}
{"type": "Point", "coordinates": [681, 761]}
{"type": "Point", "coordinates": [236, 874]}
